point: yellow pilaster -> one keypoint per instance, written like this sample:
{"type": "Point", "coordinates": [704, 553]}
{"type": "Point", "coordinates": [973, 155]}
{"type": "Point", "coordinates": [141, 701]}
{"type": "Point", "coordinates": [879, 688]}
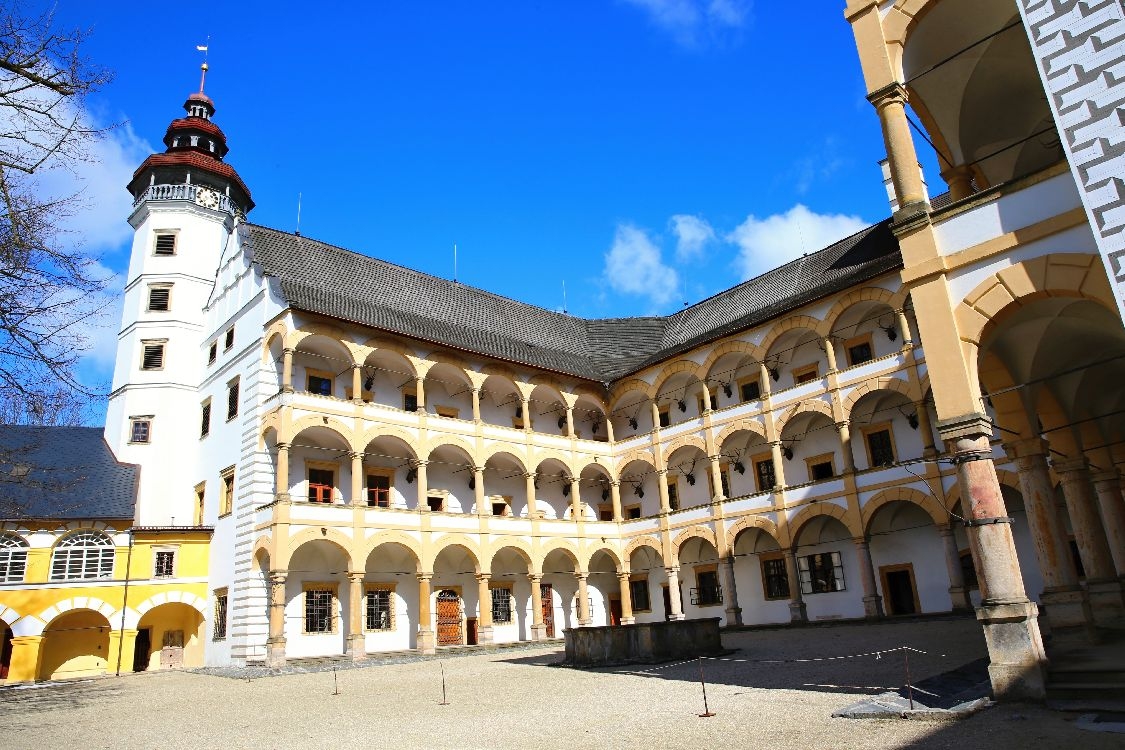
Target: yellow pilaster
{"type": "Point", "coordinates": [25, 658]}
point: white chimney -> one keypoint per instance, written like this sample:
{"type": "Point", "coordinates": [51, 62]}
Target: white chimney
{"type": "Point", "coordinates": [885, 166]}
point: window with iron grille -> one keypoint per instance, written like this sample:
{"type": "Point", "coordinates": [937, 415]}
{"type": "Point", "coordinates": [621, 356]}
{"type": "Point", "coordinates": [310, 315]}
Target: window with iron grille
{"type": "Point", "coordinates": [219, 631]}
{"type": "Point", "coordinates": [140, 430]}
{"type": "Point", "coordinates": [379, 609]}
{"type": "Point", "coordinates": [410, 402]}
{"type": "Point", "coordinates": [881, 447]}
{"type": "Point", "coordinates": [83, 555]}
{"type": "Point", "coordinates": [165, 244]}
{"type": "Point", "coordinates": [322, 482]}
{"type": "Point", "coordinates": [152, 356]}
{"type": "Point", "coordinates": [319, 614]}
{"type": "Point", "coordinates": [821, 574]}
{"type": "Point", "coordinates": [767, 480]}
{"type": "Point", "coordinates": [638, 592]}
{"type": "Point", "coordinates": [501, 605]}
{"type": "Point", "coordinates": [232, 400]}
{"type": "Point", "coordinates": [205, 419]}
{"type": "Point", "coordinates": [228, 340]}
{"type": "Point", "coordinates": [159, 298]}
{"type": "Point", "coordinates": [707, 592]}
{"type": "Point", "coordinates": [164, 564]}
{"type": "Point", "coordinates": [775, 579]}
{"type": "Point", "coordinates": [13, 558]}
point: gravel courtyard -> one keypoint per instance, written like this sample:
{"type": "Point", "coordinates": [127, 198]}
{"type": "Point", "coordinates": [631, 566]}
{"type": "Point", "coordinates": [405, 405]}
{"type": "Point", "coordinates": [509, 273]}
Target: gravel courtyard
{"type": "Point", "coordinates": [514, 699]}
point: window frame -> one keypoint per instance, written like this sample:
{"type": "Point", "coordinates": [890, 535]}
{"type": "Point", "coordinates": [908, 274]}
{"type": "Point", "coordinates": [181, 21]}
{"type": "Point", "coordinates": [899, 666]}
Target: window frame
{"type": "Point", "coordinates": [311, 373]}
{"type": "Point", "coordinates": [824, 458]}
{"type": "Point", "coordinates": [226, 491]}
{"type": "Point", "coordinates": [805, 373]}
{"type": "Point", "coordinates": [407, 394]}
{"type": "Point", "coordinates": [495, 500]}
{"type": "Point", "coordinates": [160, 287]}
{"type": "Point", "coordinates": [200, 502]}
{"type": "Point", "coordinates": [493, 602]}
{"type": "Point", "coordinates": [856, 341]}
{"type": "Point", "coordinates": [205, 418]}
{"type": "Point", "coordinates": [13, 554]}
{"type": "Point", "coordinates": [232, 399]}
{"type": "Point", "coordinates": [334, 468]}
{"type": "Point", "coordinates": [370, 588]}
{"type": "Point", "coordinates": [135, 424]}
{"type": "Point", "coordinates": [449, 412]}
{"type": "Point", "coordinates": [759, 459]}
{"type": "Point", "coordinates": [332, 588]}
{"type": "Point", "coordinates": [664, 417]}
{"type": "Point", "coordinates": [642, 580]}
{"type": "Point", "coordinates": [628, 510]}
{"type": "Point", "coordinates": [872, 429]}
{"type": "Point", "coordinates": [156, 235]}
{"type": "Point", "coordinates": [103, 564]}
{"type": "Point", "coordinates": [771, 558]}
{"type": "Point", "coordinates": [212, 352]}
{"type": "Point", "coordinates": [165, 550]}
{"type": "Point", "coordinates": [440, 496]}
{"type": "Point", "coordinates": [743, 383]}
{"type": "Point", "coordinates": [673, 484]}
{"type": "Point", "coordinates": [228, 339]}
{"type": "Point", "coordinates": [219, 615]}
{"type": "Point", "coordinates": [805, 569]}
{"type": "Point", "coordinates": [154, 344]}
{"type": "Point", "coordinates": [377, 471]}
{"type": "Point", "coordinates": [710, 569]}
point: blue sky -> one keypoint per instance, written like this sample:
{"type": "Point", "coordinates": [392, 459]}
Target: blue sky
{"type": "Point", "coordinates": [643, 152]}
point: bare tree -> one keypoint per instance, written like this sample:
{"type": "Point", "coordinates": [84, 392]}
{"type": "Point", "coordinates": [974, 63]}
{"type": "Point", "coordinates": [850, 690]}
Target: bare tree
{"type": "Point", "coordinates": [49, 288]}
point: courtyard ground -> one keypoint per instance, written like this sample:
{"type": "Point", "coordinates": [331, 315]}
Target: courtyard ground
{"type": "Point", "coordinates": [763, 695]}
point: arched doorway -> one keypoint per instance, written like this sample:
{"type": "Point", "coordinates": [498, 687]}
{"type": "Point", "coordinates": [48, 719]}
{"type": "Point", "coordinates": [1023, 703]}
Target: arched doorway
{"type": "Point", "coordinates": [169, 636]}
{"type": "Point", "coordinates": [75, 644]}
{"type": "Point", "coordinates": [6, 653]}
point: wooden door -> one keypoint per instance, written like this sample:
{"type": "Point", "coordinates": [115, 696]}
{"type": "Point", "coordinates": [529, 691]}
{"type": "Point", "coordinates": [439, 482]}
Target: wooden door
{"type": "Point", "coordinates": [614, 611]}
{"type": "Point", "coordinates": [899, 592]}
{"type": "Point", "coordinates": [448, 618]}
{"type": "Point", "coordinates": [548, 609]}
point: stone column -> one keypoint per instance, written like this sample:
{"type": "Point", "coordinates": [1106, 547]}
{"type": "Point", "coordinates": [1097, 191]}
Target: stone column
{"type": "Point", "coordinates": [797, 611]}
{"type": "Point", "coordinates": [730, 591]}
{"type": "Point", "coordinates": [478, 491]}
{"type": "Point", "coordinates": [357, 641]}
{"type": "Point", "coordinates": [583, 599]}
{"type": "Point", "coordinates": [570, 421]}
{"type": "Point", "coordinates": [716, 477]}
{"type": "Point", "coordinates": [1063, 601]}
{"type": "Point", "coordinates": [476, 404]}
{"type": "Point", "coordinates": [357, 479]}
{"type": "Point", "coordinates": [282, 480]}
{"type": "Point", "coordinates": [484, 609]}
{"type": "Point", "coordinates": [778, 464]}
{"type": "Point", "coordinates": [764, 380]}
{"type": "Point", "coordinates": [846, 447]}
{"type": "Point", "coordinates": [904, 329]}
{"type": "Point", "coordinates": [420, 393]}
{"type": "Point", "coordinates": [275, 643]}
{"type": "Point", "coordinates": [575, 499]}
{"type": "Point", "coordinates": [674, 601]}
{"type": "Point", "coordinates": [830, 353]}
{"type": "Point", "coordinates": [538, 628]}
{"type": "Point", "coordinates": [656, 415]}
{"type": "Point", "coordinates": [890, 103]}
{"type": "Point", "coordinates": [958, 593]}
{"type": "Point", "coordinates": [615, 498]}
{"type": "Point", "coordinates": [357, 384]}
{"type": "Point", "coordinates": [1010, 621]}
{"type": "Point", "coordinates": [872, 602]}
{"type": "Point", "coordinates": [609, 429]}
{"type": "Point", "coordinates": [427, 638]}
{"type": "Point", "coordinates": [960, 181]}
{"type": "Point", "coordinates": [287, 370]}
{"type": "Point", "coordinates": [423, 486]}
{"type": "Point", "coordinates": [1102, 586]}
{"type": "Point", "coordinates": [662, 488]}
{"type": "Point", "coordinates": [1107, 486]}
{"type": "Point", "coordinates": [25, 661]}
{"type": "Point", "coordinates": [529, 489]}
{"type": "Point", "coordinates": [626, 599]}
{"type": "Point", "coordinates": [707, 405]}
{"type": "Point", "coordinates": [525, 410]}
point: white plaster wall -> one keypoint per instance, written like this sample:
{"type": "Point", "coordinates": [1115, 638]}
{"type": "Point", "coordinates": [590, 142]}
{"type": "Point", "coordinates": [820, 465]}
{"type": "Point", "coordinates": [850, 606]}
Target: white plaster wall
{"type": "Point", "coordinates": [923, 548]}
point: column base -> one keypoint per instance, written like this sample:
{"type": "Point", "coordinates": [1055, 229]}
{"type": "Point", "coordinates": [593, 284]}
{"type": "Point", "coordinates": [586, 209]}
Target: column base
{"type": "Point", "coordinates": [1107, 602]}
{"type": "Point", "coordinates": [1015, 650]}
{"type": "Point", "coordinates": [275, 653]}
{"type": "Point", "coordinates": [538, 632]}
{"type": "Point", "coordinates": [734, 616]}
{"type": "Point", "coordinates": [872, 607]}
{"type": "Point", "coordinates": [586, 623]}
{"type": "Point", "coordinates": [485, 634]}
{"type": "Point", "coordinates": [357, 647]}
{"type": "Point", "coordinates": [1066, 607]}
{"type": "Point", "coordinates": [427, 642]}
{"type": "Point", "coordinates": [798, 612]}
{"type": "Point", "coordinates": [677, 617]}
{"type": "Point", "coordinates": [960, 597]}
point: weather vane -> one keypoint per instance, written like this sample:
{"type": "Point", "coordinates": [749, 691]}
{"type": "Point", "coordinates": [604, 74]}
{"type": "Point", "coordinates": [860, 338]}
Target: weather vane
{"type": "Point", "coordinates": [203, 48]}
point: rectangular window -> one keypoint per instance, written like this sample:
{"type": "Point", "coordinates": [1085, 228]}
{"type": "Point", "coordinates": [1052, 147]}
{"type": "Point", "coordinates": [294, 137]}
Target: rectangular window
{"type": "Point", "coordinates": [880, 446]}
{"type": "Point", "coordinates": [212, 353]}
{"type": "Point", "coordinates": [318, 382]}
{"type": "Point", "coordinates": [665, 419]}
{"type": "Point", "coordinates": [379, 490]}
{"type": "Point", "coordinates": [707, 592]}
{"type": "Point", "coordinates": [821, 573]}
{"type": "Point", "coordinates": [859, 350]}
{"type": "Point", "coordinates": [501, 506]}
{"type": "Point", "coordinates": [228, 339]}
{"type": "Point", "coordinates": [232, 399]}
{"type": "Point", "coordinates": [764, 473]}
{"type": "Point", "coordinates": [219, 631]}
{"type": "Point", "coordinates": [605, 512]}
{"type": "Point", "coordinates": [205, 419]}
{"type": "Point", "coordinates": [164, 563]}
{"type": "Point", "coordinates": [320, 608]}
{"type": "Point", "coordinates": [638, 592]}
{"type": "Point", "coordinates": [724, 478]}
{"type": "Point", "coordinates": [447, 411]}
{"type": "Point", "coordinates": [159, 298]}
{"type": "Point", "coordinates": [409, 401]}
{"type": "Point", "coordinates": [749, 390]}
{"type": "Point", "coordinates": [152, 355]}
{"type": "Point", "coordinates": [436, 503]}
{"type": "Point", "coordinates": [380, 608]}
{"type": "Point", "coordinates": [673, 493]}
{"type": "Point", "coordinates": [226, 498]}
{"type": "Point", "coordinates": [775, 580]}
{"type": "Point", "coordinates": [501, 605]}
{"type": "Point", "coordinates": [140, 430]}
{"type": "Point", "coordinates": [806, 374]}
{"type": "Point", "coordinates": [322, 484]}
{"type": "Point", "coordinates": [821, 467]}
{"type": "Point", "coordinates": [200, 496]}
{"type": "Point", "coordinates": [165, 244]}
{"type": "Point", "coordinates": [632, 511]}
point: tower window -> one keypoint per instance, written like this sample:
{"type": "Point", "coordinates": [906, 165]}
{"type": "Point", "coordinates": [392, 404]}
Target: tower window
{"type": "Point", "coordinates": [140, 430]}
{"type": "Point", "coordinates": [165, 244]}
{"type": "Point", "coordinates": [228, 342]}
{"type": "Point", "coordinates": [153, 355]}
{"type": "Point", "coordinates": [232, 399]}
{"type": "Point", "coordinates": [213, 353]}
{"type": "Point", "coordinates": [159, 298]}
{"type": "Point", "coordinates": [205, 419]}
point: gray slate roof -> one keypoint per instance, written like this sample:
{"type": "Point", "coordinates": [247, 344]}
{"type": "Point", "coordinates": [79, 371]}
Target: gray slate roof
{"type": "Point", "coordinates": [329, 280]}
{"type": "Point", "coordinates": [73, 475]}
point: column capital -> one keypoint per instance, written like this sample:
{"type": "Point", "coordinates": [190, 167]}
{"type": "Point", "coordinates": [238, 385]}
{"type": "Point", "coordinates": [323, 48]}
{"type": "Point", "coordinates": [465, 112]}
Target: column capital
{"type": "Point", "coordinates": [478, 469]}
{"type": "Point", "coordinates": [283, 445]}
{"type": "Point", "coordinates": [581, 575]}
{"type": "Point", "coordinates": [860, 541]}
{"type": "Point", "coordinates": [534, 577]}
{"type": "Point", "coordinates": [419, 463]}
{"type": "Point", "coordinates": [892, 93]}
{"type": "Point", "coordinates": [973, 425]}
{"type": "Point", "coordinates": [356, 576]}
{"type": "Point", "coordinates": [1070, 465]}
{"type": "Point", "coordinates": [672, 570]}
{"type": "Point", "coordinates": [623, 575]}
{"type": "Point", "coordinates": [425, 577]}
{"type": "Point", "coordinates": [530, 475]}
{"type": "Point", "coordinates": [483, 577]}
{"type": "Point", "coordinates": [278, 577]}
{"type": "Point", "coordinates": [1027, 448]}
{"type": "Point", "coordinates": [661, 472]}
{"type": "Point", "coordinates": [1106, 478]}
{"type": "Point", "coordinates": [615, 482]}
{"type": "Point", "coordinates": [353, 455]}
{"type": "Point", "coordinates": [288, 350]}
{"type": "Point", "coordinates": [842, 425]}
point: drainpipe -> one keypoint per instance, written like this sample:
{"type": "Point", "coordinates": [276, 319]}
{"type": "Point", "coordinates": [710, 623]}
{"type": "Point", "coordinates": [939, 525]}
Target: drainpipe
{"type": "Point", "coordinates": [125, 602]}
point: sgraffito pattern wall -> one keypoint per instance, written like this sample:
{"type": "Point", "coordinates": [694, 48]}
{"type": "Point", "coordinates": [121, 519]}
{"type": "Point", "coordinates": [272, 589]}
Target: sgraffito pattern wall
{"type": "Point", "coordinates": [1079, 47]}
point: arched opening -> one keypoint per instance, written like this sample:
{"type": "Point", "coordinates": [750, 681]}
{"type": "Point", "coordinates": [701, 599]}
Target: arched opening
{"type": "Point", "coordinates": [510, 596]}
{"type": "Point", "coordinates": [632, 415]}
{"type": "Point", "coordinates": [689, 479]}
{"type": "Point", "coordinates": [500, 402]}
{"type": "Point", "coordinates": [734, 378]}
{"type": "Point", "coordinates": [760, 575]}
{"type": "Point", "coordinates": [390, 598]}
{"type": "Point", "coordinates": [450, 480]}
{"type": "Point", "coordinates": [389, 380]}
{"type": "Point", "coordinates": [272, 374]}
{"type": "Point", "coordinates": [589, 419]}
{"type": "Point", "coordinates": [317, 600]}
{"type": "Point", "coordinates": [390, 473]}
{"type": "Point", "coordinates": [865, 331]}
{"type": "Point", "coordinates": [604, 590]}
{"type": "Point", "coordinates": [169, 636]}
{"type": "Point", "coordinates": [750, 463]}
{"type": "Point", "coordinates": [884, 424]}
{"type": "Point", "coordinates": [552, 488]}
{"type": "Point", "coordinates": [548, 410]}
{"type": "Point", "coordinates": [680, 399]}
{"type": "Point", "coordinates": [455, 594]}
{"type": "Point", "coordinates": [795, 358]}
{"type": "Point", "coordinates": [449, 392]}
{"type": "Point", "coordinates": [810, 448]}
{"type": "Point", "coordinates": [699, 571]}
{"type": "Point", "coordinates": [908, 558]}
{"type": "Point", "coordinates": [648, 586]}
{"type": "Point", "coordinates": [5, 651]}
{"type": "Point", "coordinates": [505, 487]}
{"type": "Point", "coordinates": [320, 467]}
{"type": "Point", "coordinates": [594, 486]}
{"type": "Point", "coordinates": [322, 366]}
{"type": "Point", "coordinates": [827, 569]}
{"type": "Point", "coordinates": [640, 496]}
{"type": "Point", "coordinates": [76, 644]}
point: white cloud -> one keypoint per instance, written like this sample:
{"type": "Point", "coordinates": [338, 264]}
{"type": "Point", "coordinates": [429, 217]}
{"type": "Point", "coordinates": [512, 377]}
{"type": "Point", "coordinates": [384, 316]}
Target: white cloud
{"type": "Point", "coordinates": [692, 22]}
{"type": "Point", "coordinates": [693, 233]}
{"type": "Point", "coordinates": [774, 240]}
{"type": "Point", "coordinates": [634, 266]}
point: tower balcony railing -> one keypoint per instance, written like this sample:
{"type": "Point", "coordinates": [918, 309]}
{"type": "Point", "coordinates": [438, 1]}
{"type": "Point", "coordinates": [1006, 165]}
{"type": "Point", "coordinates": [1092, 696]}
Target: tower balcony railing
{"type": "Point", "coordinates": [187, 192]}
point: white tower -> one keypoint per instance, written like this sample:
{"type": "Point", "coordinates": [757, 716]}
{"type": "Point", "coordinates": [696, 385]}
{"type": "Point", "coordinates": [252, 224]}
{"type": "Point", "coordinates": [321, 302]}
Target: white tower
{"type": "Point", "coordinates": [187, 203]}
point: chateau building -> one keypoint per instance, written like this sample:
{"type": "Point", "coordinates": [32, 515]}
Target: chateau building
{"type": "Point", "coordinates": [922, 417]}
